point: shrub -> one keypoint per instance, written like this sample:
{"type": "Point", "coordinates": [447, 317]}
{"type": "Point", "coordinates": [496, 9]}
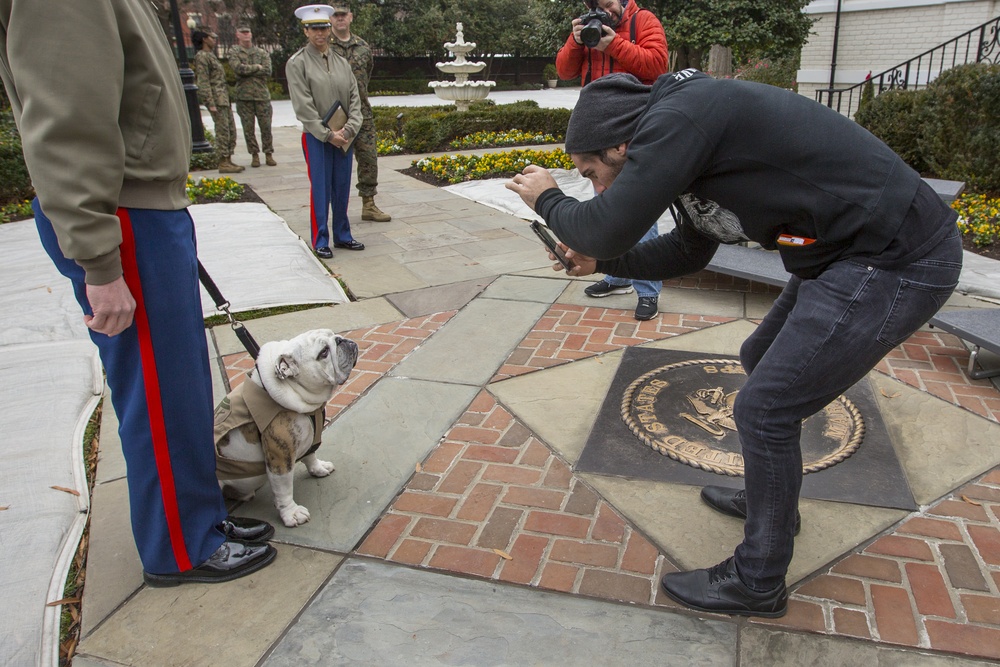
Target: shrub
{"type": "Point", "coordinates": [895, 117]}
{"type": "Point", "coordinates": [202, 161]}
{"type": "Point", "coordinates": [781, 72]}
{"type": "Point", "coordinates": [549, 72]}
{"type": "Point", "coordinates": [15, 184]}
{"type": "Point", "coordinates": [961, 131]}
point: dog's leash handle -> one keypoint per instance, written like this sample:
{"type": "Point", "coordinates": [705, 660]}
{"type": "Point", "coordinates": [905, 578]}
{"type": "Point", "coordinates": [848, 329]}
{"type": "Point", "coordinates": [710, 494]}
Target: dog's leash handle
{"type": "Point", "coordinates": [221, 304]}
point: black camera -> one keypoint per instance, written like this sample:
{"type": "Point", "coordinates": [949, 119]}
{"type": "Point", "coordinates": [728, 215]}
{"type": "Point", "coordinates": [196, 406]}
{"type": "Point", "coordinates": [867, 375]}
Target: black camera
{"type": "Point", "coordinates": [592, 22]}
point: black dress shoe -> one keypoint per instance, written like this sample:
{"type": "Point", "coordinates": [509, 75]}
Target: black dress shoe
{"type": "Point", "coordinates": [734, 503]}
{"type": "Point", "coordinates": [231, 560]}
{"type": "Point", "coordinates": [246, 529]}
{"type": "Point", "coordinates": [324, 252]}
{"type": "Point", "coordinates": [350, 245]}
{"type": "Point", "coordinates": [719, 590]}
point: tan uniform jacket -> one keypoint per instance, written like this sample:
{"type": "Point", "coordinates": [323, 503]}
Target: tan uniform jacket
{"type": "Point", "coordinates": [107, 127]}
{"type": "Point", "coordinates": [315, 80]}
{"type": "Point", "coordinates": [249, 404]}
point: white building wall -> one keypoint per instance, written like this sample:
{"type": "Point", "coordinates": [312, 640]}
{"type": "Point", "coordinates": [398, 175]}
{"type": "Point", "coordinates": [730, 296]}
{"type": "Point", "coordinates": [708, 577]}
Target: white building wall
{"type": "Point", "coordinates": [878, 34]}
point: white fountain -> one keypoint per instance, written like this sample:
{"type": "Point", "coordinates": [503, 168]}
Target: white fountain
{"type": "Point", "coordinates": [461, 90]}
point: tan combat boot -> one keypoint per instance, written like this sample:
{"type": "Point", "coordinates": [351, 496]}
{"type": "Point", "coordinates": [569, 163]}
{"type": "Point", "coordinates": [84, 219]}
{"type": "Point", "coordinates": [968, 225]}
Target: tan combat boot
{"type": "Point", "coordinates": [226, 166]}
{"type": "Point", "coordinates": [255, 160]}
{"type": "Point", "coordinates": [369, 211]}
{"type": "Point", "coordinates": [270, 161]}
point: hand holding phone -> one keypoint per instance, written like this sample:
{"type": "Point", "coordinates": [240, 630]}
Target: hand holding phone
{"type": "Point", "coordinates": [551, 244]}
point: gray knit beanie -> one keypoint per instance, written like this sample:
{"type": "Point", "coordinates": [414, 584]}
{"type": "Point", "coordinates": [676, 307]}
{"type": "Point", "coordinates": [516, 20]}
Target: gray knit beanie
{"type": "Point", "coordinates": [606, 114]}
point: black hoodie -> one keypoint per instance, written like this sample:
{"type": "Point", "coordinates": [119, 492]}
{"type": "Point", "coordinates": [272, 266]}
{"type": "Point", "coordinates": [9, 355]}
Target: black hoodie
{"type": "Point", "coordinates": [752, 162]}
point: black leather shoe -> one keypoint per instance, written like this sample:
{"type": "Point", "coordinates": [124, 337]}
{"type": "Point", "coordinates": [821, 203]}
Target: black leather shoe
{"type": "Point", "coordinates": [719, 590]}
{"type": "Point", "coordinates": [230, 561]}
{"type": "Point", "coordinates": [734, 503]}
{"type": "Point", "coordinates": [246, 529]}
{"type": "Point", "coordinates": [324, 252]}
{"type": "Point", "coordinates": [350, 245]}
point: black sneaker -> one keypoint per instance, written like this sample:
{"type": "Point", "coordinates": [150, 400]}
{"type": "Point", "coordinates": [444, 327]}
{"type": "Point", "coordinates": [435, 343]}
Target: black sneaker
{"type": "Point", "coordinates": [602, 288]}
{"type": "Point", "coordinates": [734, 503]}
{"type": "Point", "coordinates": [231, 560]}
{"type": "Point", "coordinates": [647, 308]}
{"type": "Point", "coordinates": [719, 590]}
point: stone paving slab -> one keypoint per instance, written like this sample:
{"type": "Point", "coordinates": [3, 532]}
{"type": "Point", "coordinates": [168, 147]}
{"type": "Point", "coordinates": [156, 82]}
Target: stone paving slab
{"type": "Point", "coordinates": [377, 614]}
{"type": "Point", "coordinates": [206, 624]}
{"type": "Point", "coordinates": [375, 447]}
{"type": "Point", "coordinates": [475, 343]}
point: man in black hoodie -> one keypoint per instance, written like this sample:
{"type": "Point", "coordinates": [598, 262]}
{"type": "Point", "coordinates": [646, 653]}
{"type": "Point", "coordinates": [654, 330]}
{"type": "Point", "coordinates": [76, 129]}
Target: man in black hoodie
{"type": "Point", "coordinates": [873, 254]}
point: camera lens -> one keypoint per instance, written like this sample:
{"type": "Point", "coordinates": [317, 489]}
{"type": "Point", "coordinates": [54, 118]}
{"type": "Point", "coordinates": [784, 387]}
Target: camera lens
{"type": "Point", "coordinates": [591, 33]}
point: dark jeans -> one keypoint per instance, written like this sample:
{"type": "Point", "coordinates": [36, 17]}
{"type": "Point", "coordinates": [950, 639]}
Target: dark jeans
{"type": "Point", "coordinates": [821, 336]}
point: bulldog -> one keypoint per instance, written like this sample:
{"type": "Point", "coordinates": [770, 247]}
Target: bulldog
{"type": "Point", "coordinates": [275, 418]}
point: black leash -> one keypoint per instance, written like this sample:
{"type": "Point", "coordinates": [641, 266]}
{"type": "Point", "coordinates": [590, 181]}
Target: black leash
{"type": "Point", "coordinates": [220, 302]}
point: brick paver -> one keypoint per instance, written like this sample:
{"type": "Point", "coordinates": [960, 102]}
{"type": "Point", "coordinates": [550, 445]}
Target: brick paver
{"type": "Point", "coordinates": [932, 583]}
{"type": "Point", "coordinates": [527, 521]}
{"type": "Point", "coordinates": [567, 333]}
{"type": "Point", "coordinates": [935, 362]}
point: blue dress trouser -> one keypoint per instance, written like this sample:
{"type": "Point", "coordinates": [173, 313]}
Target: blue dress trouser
{"type": "Point", "coordinates": [329, 171]}
{"type": "Point", "coordinates": [642, 287]}
{"type": "Point", "coordinates": [161, 387]}
{"type": "Point", "coordinates": [820, 337]}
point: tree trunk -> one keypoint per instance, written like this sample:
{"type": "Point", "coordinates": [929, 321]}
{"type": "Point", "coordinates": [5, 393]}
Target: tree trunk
{"type": "Point", "coordinates": [687, 56]}
{"type": "Point", "coordinates": [720, 62]}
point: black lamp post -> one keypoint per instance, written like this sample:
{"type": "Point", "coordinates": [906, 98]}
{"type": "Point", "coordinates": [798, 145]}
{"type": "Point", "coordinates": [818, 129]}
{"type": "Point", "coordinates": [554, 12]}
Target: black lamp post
{"type": "Point", "coordinates": [198, 143]}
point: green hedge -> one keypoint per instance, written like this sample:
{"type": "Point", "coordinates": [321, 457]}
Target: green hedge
{"type": "Point", "coordinates": [15, 185]}
{"type": "Point", "coordinates": [949, 130]}
{"type": "Point", "coordinates": [430, 129]}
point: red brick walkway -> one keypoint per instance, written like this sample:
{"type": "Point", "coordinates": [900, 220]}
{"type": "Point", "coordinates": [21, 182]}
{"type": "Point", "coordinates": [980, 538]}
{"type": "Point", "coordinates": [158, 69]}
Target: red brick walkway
{"type": "Point", "coordinates": [493, 501]}
{"type": "Point", "coordinates": [934, 361]}
{"type": "Point", "coordinates": [932, 583]}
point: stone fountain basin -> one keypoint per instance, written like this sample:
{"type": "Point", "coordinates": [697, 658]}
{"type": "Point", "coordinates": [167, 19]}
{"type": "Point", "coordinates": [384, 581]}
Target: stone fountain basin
{"type": "Point", "coordinates": [460, 68]}
{"type": "Point", "coordinates": [469, 90]}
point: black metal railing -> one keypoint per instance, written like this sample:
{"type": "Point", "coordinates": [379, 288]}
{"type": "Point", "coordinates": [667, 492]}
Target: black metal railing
{"type": "Point", "coordinates": [981, 44]}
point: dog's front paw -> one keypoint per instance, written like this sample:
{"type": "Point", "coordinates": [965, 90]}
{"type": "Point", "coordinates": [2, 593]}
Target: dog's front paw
{"type": "Point", "coordinates": [319, 468]}
{"type": "Point", "coordinates": [294, 515]}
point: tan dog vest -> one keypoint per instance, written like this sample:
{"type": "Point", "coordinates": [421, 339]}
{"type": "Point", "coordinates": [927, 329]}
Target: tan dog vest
{"type": "Point", "coordinates": [248, 404]}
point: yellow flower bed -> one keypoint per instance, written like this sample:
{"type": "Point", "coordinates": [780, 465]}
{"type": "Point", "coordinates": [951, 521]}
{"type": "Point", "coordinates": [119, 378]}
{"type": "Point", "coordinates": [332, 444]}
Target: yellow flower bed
{"type": "Point", "coordinates": [508, 138]}
{"type": "Point", "coordinates": [978, 217]}
{"type": "Point", "coordinates": [458, 168]}
{"type": "Point", "coordinates": [212, 188]}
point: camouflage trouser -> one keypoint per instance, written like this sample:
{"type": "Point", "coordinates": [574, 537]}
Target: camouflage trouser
{"type": "Point", "coordinates": [250, 110]}
{"type": "Point", "coordinates": [366, 152]}
{"type": "Point", "coordinates": [225, 131]}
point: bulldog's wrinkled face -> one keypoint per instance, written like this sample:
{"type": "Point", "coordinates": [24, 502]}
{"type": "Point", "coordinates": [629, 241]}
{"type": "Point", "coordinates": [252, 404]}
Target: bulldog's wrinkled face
{"type": "Point", "coordinates": [317, 359]}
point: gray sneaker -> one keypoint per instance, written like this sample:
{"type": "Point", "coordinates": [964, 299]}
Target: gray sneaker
{"type": "Point", "coordinates": [602, 288]}
{"type": "Point", "coordinates": [646, 309]}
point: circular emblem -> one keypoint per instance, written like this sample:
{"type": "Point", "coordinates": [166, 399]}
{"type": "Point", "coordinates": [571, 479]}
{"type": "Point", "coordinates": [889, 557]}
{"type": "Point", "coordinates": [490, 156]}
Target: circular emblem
{"type": "Point", "coordinates": [685, 411]}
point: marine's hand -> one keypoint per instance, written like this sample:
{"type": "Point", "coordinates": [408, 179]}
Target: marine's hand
{"type": "Point", "coordinates": [530, 183]}
{"type": "Point", "coordinates": [338, 138]}
{"type": "Point", "coordinates": [113, 307]}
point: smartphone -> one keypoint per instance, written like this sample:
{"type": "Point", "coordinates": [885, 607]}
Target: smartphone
{"type": "Point", "coordinates": [551, 244]}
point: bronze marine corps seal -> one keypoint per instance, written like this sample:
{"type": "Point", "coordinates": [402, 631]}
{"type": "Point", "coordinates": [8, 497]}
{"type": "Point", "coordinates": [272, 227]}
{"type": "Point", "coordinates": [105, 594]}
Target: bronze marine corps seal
{"type": "Point", "coordinates": [685, 411]}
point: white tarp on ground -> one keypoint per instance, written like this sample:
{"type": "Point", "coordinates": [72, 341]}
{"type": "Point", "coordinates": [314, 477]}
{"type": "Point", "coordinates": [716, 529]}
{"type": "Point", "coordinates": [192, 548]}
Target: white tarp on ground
{"type": "Point", "coordinates": [980, 275]}
{"type": "Point", "coordinates": [51, 381]}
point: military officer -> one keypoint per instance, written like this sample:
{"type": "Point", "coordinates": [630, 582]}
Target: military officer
{"type": "Point", "coordinates": [318, 77]}
{"type": "Point", "coordinates": [252, 66]}
{"type": "Point", "coordinates": [359, 54]}
{"type": "Point", "coordinates": [214, 94]}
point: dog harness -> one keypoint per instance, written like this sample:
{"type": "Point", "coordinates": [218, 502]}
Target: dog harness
{"type": "Point", "coordinates": [249, 404]}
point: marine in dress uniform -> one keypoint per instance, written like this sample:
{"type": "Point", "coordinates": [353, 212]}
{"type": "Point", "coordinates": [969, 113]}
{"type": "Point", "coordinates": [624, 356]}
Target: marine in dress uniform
{"type": "Point", "coordinates": [318, 77]}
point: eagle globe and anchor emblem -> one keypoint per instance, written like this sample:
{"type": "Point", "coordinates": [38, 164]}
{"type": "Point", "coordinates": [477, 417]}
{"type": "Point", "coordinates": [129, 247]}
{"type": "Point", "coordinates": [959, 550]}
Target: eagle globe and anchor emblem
{"type": "Point", "coordinates": [685, 411]}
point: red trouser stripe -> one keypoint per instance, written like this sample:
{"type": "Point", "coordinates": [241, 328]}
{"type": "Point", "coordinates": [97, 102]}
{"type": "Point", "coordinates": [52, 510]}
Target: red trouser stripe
{"type": "Point", "coordinates": [312, 205]}
{"type": "Point", "coordinates": [154, 405]}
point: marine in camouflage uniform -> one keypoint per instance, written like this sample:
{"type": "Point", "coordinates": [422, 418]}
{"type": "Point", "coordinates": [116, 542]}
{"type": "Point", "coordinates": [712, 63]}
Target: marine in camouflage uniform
{"type": "Point", "coordinates": [252, 66]}
{"type": "Point", "coordinates": [359, 55]}
{"type": "Point", "coordinates": [214, 94]}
